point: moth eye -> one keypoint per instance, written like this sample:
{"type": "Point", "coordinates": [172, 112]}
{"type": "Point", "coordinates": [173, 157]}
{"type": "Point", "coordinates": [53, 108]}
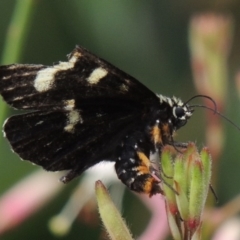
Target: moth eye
{"type": "Point", "coordinates": [178, 112]}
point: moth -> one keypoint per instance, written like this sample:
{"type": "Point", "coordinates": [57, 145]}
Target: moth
{"type": "Point", "coordinates": [84, 111]}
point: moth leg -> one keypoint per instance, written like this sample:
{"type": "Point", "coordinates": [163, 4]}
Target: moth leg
{"type": "Point", "coordinates": [180, 145]}
{"type": "Point", "coordinates": [70, 176]}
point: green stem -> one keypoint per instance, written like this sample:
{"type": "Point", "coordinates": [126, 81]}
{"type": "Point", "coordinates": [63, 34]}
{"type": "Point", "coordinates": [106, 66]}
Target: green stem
{"type": "Point", "coordinates": [17, 31]}
{"type": "Point", "coordinates": [15, 38]}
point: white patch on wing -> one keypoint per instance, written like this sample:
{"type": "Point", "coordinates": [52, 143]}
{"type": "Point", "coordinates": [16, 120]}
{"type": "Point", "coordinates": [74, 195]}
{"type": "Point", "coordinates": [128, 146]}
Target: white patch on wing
{"type": "Point", "coordinates": [69, 104]}
{"type": "Point", "coordinates": [97, 75]}
{"type": "Point", "coordinates": [46, 77]}
{"type": "Point", "coordinates": [73, 117]}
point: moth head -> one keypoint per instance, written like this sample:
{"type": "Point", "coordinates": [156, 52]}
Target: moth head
{"type": "Point", "coordinates": [177, 111]}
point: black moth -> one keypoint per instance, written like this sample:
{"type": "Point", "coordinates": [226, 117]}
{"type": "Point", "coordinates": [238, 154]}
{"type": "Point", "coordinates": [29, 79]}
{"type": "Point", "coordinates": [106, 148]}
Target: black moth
{"type": "Point", "coordinates": [85, 111]}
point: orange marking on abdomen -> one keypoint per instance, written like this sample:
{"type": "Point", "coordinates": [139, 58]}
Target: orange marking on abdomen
{"type": "Point", "coordinates": [156, 134]}
{"type": "Point", "coordinates": [143, 159]}
{"type": "Point", "coordinates": [143, 170]}
{"type": "Point", "coordinates": [149, 185]}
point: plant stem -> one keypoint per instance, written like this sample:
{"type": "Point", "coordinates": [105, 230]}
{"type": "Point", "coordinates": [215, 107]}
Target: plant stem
{"type": "Point", "coordinates": [15, 38]}
{"type": "Point", "coordinates": [17, 31]}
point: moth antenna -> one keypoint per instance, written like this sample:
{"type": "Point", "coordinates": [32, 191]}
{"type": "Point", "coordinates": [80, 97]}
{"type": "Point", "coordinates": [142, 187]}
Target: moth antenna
{"type": "Point", "coordinates": [218, 113]}
{"type": "Point", "coordinates": [203, 96]}
{"type": "Point", "coordinates": [214, 110]}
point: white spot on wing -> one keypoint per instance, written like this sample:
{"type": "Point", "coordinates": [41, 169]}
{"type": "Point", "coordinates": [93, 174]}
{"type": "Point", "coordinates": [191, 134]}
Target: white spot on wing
{"type": "Point", "coordinates": [13, 66]}
{"type": "Point", "coordinates": [39, 123]}
{"type": "Point", "coordinates": [9, 88]}
{"type": "Point", "coordinates": [18, 98]}
{"type": "Point", "coordinates": [26, 74]}
{"type": "Point", "coordinates": [124, 88]}
{"type": "Point", "coordinates": [73, 118]}
{"type": "Point", "coordinates": [46, 77]}
{"type": "Point", "coordinates": [69, 104]}
{"type": "Point", "coordinates": [75, 57]}
{"type": "Point", "coordinates": [97, 75]}
{"type": "Point", "coordinates": [6, 77]}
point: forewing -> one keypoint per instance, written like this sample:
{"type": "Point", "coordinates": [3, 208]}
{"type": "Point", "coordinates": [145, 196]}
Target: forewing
{"type": "Point", "coordinates": [85, 78]}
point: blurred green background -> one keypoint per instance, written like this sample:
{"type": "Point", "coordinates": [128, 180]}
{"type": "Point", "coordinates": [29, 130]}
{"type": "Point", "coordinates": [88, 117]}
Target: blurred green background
{"type": "Point", "coordinates": [148, 40]}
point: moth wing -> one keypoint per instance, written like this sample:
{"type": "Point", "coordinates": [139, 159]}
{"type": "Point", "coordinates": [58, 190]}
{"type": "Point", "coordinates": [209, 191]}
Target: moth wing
{"type": "Point", "coordinates": [84, 77]}
{"type": "Point", "coordinates": [63, 140]}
